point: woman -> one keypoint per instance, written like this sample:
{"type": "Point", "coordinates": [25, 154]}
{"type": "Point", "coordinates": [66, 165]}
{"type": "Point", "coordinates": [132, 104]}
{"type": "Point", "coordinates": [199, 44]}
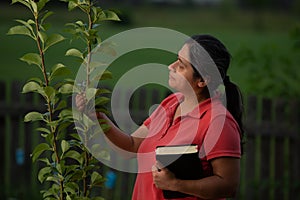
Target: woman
{"type": "Point", "coordinates": [193, 115]}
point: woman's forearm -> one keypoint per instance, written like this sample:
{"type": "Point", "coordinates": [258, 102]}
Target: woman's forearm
{"type": "Point", "coordinates": [223, 183]}
{"type": "Point", "coordinates": [208, 188]}
{"type": "Point", "coordinates": [119, 139]}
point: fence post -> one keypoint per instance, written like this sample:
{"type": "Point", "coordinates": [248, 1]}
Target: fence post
{"type": "Point", "coordinates": [2, 137]}
{"type": "Point", "coordinates": [294, 161]}
{"type": "Point", "coordinates": [249, 154]}
{"type": "Point", "coordinates": [17, 141]}
{"type": "Point", "coordinates": [267, 149]}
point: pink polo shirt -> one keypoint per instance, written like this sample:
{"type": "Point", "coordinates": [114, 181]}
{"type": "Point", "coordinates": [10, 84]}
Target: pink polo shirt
{"type": "Point", "coordinates": [209, 125]}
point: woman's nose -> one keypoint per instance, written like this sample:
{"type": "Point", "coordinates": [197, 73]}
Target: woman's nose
{"type": "Point", "coordinates": [172, 66]}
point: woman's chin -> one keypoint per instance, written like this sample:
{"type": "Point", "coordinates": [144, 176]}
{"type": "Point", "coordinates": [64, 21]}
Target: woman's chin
{"type": "Point", "coordinates": [171, 83]}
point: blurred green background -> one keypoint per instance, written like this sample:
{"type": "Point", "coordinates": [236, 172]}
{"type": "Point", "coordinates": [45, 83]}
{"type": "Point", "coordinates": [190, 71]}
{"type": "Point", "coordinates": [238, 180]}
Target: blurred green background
{"type": "Point", "coordinates": [262, 37]}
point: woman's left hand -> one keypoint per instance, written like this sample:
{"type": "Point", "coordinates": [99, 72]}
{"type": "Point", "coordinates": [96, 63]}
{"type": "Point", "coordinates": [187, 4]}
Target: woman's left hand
{"type": "Point", "coordinates": [163, 178]}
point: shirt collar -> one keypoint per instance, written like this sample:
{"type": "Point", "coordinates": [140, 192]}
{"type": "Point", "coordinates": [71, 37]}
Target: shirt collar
{"type": "Point", "coordinates": [199, 111]}
{"type": "Point", "coordinates": [172, 108]}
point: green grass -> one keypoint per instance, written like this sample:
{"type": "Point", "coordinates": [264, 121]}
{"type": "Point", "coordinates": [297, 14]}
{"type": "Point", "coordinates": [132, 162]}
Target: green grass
{"type": "Point", "coordinates": [239, 30]}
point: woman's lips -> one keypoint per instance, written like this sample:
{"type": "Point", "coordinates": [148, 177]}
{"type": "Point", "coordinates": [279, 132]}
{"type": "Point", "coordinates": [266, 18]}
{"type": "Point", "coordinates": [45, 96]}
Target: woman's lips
{"type": "Point", "coordinates": [171, 77]}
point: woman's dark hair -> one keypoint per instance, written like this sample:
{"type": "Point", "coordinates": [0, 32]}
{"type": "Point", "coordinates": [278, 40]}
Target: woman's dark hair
{"type": "Point", "coordinates": [221, 58]}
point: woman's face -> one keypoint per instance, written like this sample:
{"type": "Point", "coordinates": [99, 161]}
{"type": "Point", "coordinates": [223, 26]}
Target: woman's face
{"type": "Point", "coordinates": [181, 72]}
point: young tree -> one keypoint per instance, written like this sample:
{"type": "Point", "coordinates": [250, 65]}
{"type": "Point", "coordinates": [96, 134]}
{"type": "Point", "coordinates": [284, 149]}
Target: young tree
{"type": "Point", "coordinates": [67, 165]}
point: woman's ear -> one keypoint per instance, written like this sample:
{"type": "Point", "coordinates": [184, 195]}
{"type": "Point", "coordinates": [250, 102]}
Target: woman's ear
{"type": "Point", "coordinates": [203, 82]}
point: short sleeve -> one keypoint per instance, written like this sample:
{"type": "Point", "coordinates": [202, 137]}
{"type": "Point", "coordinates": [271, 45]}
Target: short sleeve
{"type": "Point", "coordinates": [147, 122]}
{"type": "Point", "coordinates": [222, 138]}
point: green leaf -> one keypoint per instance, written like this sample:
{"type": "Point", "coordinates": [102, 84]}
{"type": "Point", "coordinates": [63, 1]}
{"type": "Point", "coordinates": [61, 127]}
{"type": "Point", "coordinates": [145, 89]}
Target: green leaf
{"type": "Point", "coordinates": [31, 87]}
{"type": "Point", "coordinates": [59, 70]}
{"type": "Point", "coordinates": [66, 114]}
{"type": "Point", "coordinates": [53, 39]}
{"type": "Point", "coordinates": [74, 155]}
{"type": "Point", "coordinates": [77, 115]}
{"type": "Point", "coordinates": [90, 93]}
{"type": "Point", "coordinates": [107, 48]}
{"type": "Point", "coordinates": [34, 6]}
{"type": "Point", "coordinates": [44, 130]}
{"type": "Point", "coordinates": [79, 23]}
{"type": "Point", "coordinates": [54, 123]}
{"type": "Point", "coordinates": [27, 24]}
{"type": "Point", "coordinates": [33, 116]}
{"type": "Point", "coordinates": [104, 154]}
{"type": "Point", "coordinates": [54, 179]}
{"type": "Point", "coordinates": [72, 5]}
{"type": "Point", "coordinates": [103, 91]}
{"type": "Point", "coordinates": [97, 65]}
{"type": "Point", "coordinates": [31, 22]}
{"type": "Point", "coordinates": [45, 160]}
{"type": "Point", "coordinates": [62, 104]}
{"type": "Point", "coordinates": [62, 127]}
{"type": "Point", "coordinates": [53, 157]}
{"type": "Point", "coordinates": [70, 169]}
{"type": "Point", "coordinates": [108, 15]}
{"type": "Point", "coordinates": [87, 121]}
{"type": "Point", "coordinates": [51, 193]}
{"type": "Point", "coordinates": [14, 1]}
{"type": "Point", "coordinates": [66, 88]}
{"type": "Point", "coordinates": [101, 101]}
{"type": "Point", "coordinates": [43, 173]}
{"type": "Point", "coordinates": [48, 14]}
{"type": "Point", "coordinates": [92, 34]}
{"type": "Point", "coordinates": [32, 58]}
{"type": "Point", "coordinates": [45, 27]}
{"type": "Point", "coordinates": [41, 4]}
{"type": "Point", "coordinates": [75, 53]}
{"type": "Point", "coordinates": [106, 75]}
{"type": "Point", "coordinates": [20, 30]}
{"type": "Point", "coordinates": [50, 93]}
{"type": "Point", "coordinates": [100, 75]}
{"type": "Point", "coordinates": [71, 187]}
{"type": "Point", "coordinates": [49, 137]}
{"type": "Point", "coordinates": [95, 12]}
{"type": "Point", "coordinates": [25, 3]}
{"type": "Point", "coordinates": [43, 36]}
{"type": "Point", "coordinates": [42, 92]}
{"type": "Point", "coordinates": [75, 136]}
{"type": "Point", "coordinates": [37, 80]}
{"type": "Point", "coordinates": [39, 149]}
{"type": "Point", "coordinates": [64, 146]}
{"type": "Point", "coordinates": [96, 178]}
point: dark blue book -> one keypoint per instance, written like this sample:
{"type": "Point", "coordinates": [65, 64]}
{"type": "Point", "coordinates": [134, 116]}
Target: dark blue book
{"type": "Point", "coordinates": [183, 161]}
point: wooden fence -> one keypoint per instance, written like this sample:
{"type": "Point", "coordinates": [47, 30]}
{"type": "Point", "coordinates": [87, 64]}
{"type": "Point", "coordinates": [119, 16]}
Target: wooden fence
{"type": "Point", "coordinates": [270, 164]}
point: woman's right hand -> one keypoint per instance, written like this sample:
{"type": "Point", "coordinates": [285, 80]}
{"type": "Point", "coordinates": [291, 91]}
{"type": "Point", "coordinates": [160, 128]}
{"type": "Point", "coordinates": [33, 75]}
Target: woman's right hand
{"type": "Point", "coordinates": [80, 101]}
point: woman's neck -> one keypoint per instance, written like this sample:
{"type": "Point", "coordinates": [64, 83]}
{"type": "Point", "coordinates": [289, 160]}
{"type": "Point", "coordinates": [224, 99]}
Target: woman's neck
{"type": "Point", "coordinates": [192, 100]}
{"type": "Point", "coordinates": [189, 103]}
